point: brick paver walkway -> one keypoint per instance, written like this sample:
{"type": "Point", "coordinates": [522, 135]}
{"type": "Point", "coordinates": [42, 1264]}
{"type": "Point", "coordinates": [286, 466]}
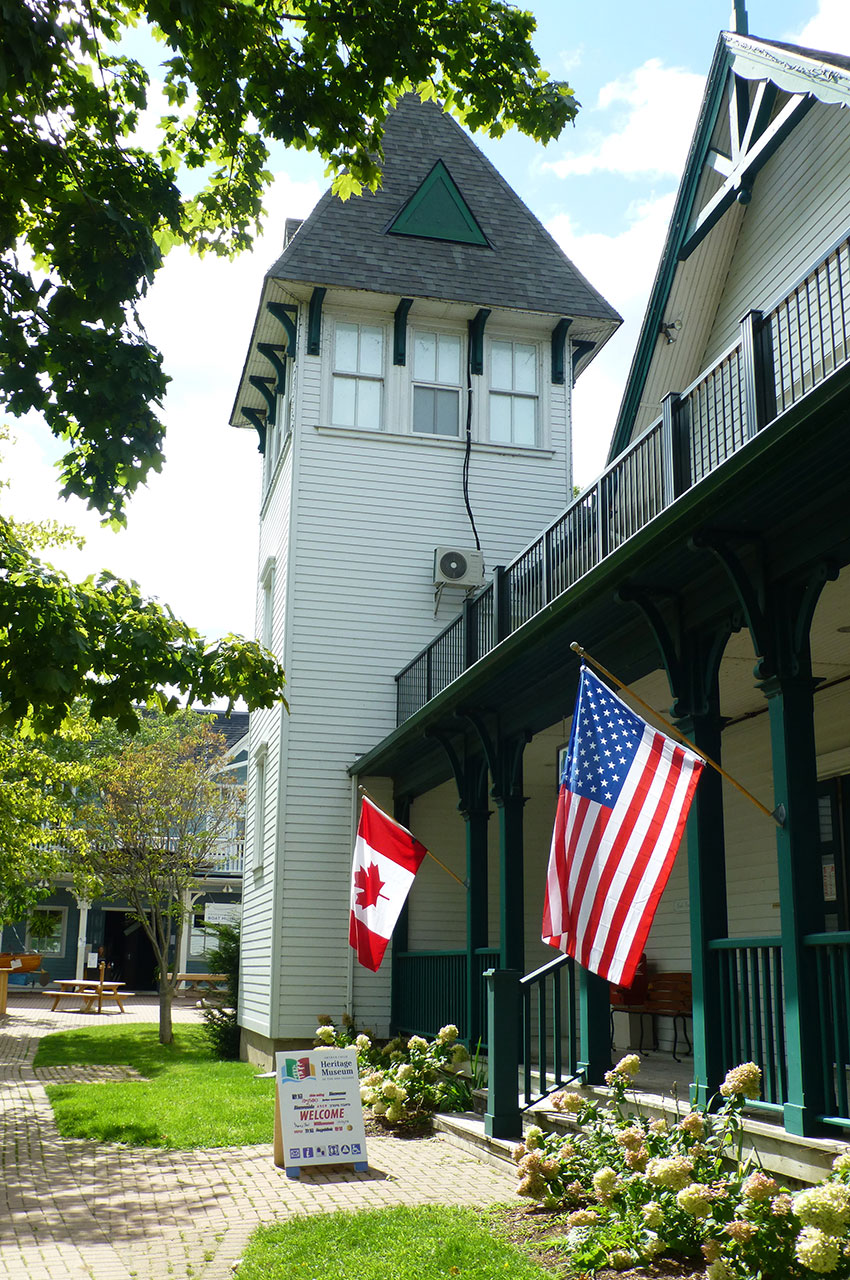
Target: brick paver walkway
{"type": "Point", "coordinates": [71, 1209]}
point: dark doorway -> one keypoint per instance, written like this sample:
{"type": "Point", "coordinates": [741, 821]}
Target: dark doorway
{"type": "Point", "coordinates": [834, 826]}
{"type": "Point", "coordinates": [128, 951]}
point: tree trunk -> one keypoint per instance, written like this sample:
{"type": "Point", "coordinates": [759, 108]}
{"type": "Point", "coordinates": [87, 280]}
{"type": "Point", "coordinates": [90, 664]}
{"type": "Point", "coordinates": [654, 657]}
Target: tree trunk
{"type": "Point", "coordinates": [166, 996]}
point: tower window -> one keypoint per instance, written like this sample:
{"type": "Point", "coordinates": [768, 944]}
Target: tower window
{"type": "Point", "coordinates": [513, 393]}
{"type": "Point", "coordinates": [358, 376]}
{"type": "Point", "coordinates": [436, 383]}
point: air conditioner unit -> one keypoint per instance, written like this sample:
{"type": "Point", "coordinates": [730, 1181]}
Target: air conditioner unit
{"type": "Point", "coordinates": [456, 567]}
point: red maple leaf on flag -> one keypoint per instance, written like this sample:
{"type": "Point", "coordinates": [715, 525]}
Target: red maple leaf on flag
{"type": "Point", "coordinates": [368, 886]}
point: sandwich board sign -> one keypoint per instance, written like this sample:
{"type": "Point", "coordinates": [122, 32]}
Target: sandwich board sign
{"type": "Point", "coordinates": [318, 1112]}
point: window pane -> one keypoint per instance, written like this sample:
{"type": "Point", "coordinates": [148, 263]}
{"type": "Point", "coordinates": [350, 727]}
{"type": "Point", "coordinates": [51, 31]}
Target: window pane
{"type": "Point", "coordinates": [500, 418]}
{"type": "Point", "coordinates": [345, 347]}
{"type": "Point", "coordinates": [423, 409]}
{"type": "Point", "coordinates": [525, 367]}
{"type": "Point", "coordinates": [369, 404]}
{"type": "Point", "coordinates": [501, 365]}
{"type": "Point", "coordinates": [448, 359]}
{"type": "Point", "coordinates": [371, 349]}
{"type": "Point", "coordinates": [525, 420]}
{"type": "Point", "coordinates": [344, 393]}
{"type": "Point", "coordinates": [425, 357]}
{"type": "Point", "coordinates": [446, 417]}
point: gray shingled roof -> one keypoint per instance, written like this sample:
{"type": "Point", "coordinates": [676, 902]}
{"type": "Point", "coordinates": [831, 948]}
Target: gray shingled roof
{"type": "Point", "coordinates": [346, 245]}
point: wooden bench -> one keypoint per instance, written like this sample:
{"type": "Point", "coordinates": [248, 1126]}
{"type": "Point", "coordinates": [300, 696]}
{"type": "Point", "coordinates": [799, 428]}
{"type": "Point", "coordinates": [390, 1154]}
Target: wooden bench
{"type": "Point", "coordinates": [667, 995]}
{"type": "Point", "coordinates": [194, 981]}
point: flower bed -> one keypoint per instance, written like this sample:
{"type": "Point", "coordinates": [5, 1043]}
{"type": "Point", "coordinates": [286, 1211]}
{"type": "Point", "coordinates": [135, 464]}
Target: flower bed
{"type": "Point", "coordinates": [636, 1188]}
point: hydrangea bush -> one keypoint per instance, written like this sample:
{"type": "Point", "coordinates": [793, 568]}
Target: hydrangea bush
{"type": "Point", "coordinates": [405, 1081]}
{"type": "Point", "coordinates": [634, 1188]}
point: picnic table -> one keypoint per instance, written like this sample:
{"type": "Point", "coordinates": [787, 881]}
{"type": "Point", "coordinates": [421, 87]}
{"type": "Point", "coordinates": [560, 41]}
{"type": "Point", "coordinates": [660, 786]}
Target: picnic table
{"type": "Point", "coordinates": [89, 991]}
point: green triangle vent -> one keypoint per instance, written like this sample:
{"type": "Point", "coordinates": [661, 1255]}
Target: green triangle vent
{"type": "Point", "coordinates": [437, 211]}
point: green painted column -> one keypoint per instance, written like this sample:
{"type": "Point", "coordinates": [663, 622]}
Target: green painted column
{"type": "Point", "coordinates": [791, 708]}
{"type": "Point", "coordinates": [707, 897]}
{"type": "Point", "coordinates": [502, 1118]}
{"type": "Point", "coordinates": [511, 881]}
{"type": "Point", "coordinates": [476, 914]}
{"type": "Point", "coordinates": [594, 1027]}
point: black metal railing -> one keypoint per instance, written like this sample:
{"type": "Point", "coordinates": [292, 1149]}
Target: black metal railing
{"type": "Point", "coordinates": [779, 357]}
{"type": "Point", "coordinates": [549, 1032]}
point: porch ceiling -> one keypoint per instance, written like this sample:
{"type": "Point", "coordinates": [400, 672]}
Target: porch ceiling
{"type": "Point", "coordinates": [782, 499]}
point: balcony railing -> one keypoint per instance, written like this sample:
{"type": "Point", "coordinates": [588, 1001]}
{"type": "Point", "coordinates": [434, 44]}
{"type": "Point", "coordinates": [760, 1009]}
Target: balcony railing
{"type": "Point", "coordinates": [779, 357]}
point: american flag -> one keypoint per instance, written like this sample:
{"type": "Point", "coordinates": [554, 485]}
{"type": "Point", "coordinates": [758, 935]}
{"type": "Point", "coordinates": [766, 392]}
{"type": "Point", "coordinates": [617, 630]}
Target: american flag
{"type": "Point", "coordinates": [625, 791]}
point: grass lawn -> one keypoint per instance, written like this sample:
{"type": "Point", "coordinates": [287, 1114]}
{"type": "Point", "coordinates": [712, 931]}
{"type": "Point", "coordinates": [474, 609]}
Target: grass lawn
{"type": "Point", "coordinates": [425, 1243]}
{"type": "Point", "coordinates": [187, 1099]}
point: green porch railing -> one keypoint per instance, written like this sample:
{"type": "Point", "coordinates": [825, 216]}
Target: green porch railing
{"type": "Point", "coordinates": [831, 955]}
{"type": "Point", "coordinates": [429, 991]}
{"type": "Point", "coordinates": [752, 1020]}
{"type": "Point", "coordinates": [532, 1028]}
{"type": "Point", "coordinates": [549, 1035]}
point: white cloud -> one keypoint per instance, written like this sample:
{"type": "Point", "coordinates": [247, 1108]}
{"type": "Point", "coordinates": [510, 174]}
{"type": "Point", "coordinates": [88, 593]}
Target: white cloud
{"type": "Point", "coordinates": [828, 29]}
{"type": "Point", "coordinates": [622, 267]}
{"type": "Point", "coordinates": [655, 110]}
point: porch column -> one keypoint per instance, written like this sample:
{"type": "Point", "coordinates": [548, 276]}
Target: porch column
{"type": "Point", "coordinates": [83, 905]}
{"type": "Point", "coordinates": [790, 698]}
{"type": "Point", "coordinates": [594, 1026]}
{"type": "Point", "coordinates": [707, 894]}
{"type": "Point", "coordinates": [507, 793]}
{"type": "Point", "coordinates": [475, 816]}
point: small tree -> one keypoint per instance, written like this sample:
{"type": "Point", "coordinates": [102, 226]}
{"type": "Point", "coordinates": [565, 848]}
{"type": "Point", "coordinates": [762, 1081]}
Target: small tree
{"type": "Point", "coordinates": [152, 829]}
{"type": "Point", "coordinates": [36, 823]}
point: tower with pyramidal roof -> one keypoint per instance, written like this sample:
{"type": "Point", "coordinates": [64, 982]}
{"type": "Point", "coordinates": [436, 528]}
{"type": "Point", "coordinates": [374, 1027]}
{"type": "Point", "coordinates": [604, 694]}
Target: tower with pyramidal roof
{"type": "Point", "coordinates": [409, 379]}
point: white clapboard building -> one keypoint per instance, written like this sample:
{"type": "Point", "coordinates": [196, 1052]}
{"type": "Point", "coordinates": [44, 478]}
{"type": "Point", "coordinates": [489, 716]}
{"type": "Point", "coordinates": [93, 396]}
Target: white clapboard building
{"type": "Point", "coordinates": [409, 377]}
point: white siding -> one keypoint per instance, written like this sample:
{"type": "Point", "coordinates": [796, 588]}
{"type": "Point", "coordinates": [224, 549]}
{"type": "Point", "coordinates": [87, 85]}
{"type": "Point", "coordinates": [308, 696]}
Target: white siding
{"type": "Point", "coordinates": [799, 208]}
{"type": "Point", "coordinates": [368, 510]}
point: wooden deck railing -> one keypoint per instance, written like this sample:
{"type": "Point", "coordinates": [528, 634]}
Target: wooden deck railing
{"type": "Point", "coordinates": [779, 357]}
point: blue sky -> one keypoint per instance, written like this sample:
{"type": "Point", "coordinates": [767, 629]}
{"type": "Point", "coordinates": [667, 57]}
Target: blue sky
{"type": "Point", "coordinates": [604, 190]}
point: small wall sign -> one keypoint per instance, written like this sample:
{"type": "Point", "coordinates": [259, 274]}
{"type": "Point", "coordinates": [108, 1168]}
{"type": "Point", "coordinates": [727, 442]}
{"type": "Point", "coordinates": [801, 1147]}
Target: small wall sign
{"type": "Point", "coordinates": [318, 1112]}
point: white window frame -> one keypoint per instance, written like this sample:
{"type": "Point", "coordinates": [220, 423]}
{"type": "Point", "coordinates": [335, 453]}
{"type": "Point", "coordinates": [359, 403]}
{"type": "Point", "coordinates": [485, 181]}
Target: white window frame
{"type": "Point", "coordinates": [258, 851]}
{"type": "Point", "coordinates": [436, 385]}
{"type": "Point", "coordinates": [356, 376]}
{"type": "Point", "coordinates": [267, 585]}
{"type": "Point", "coordinates": [35, 944]}
{"type": "Point", "coordinates": [512, 394]}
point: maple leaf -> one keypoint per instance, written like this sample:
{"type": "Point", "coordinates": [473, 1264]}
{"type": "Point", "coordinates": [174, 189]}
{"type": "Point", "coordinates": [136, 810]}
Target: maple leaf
{"type": "Point", "coordinates": [368, 885]}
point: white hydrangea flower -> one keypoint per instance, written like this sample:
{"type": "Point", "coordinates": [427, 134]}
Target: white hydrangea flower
{"type": "Point", "coordinates": [326, 1034]}
{"type": "Point", "coordinates": [826, 1206]}
{"type": "Point", "coordinates": [817, 1250]}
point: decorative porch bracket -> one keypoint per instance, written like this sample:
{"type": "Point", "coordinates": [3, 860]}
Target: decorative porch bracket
{"type": "Point", "coordinates": [750, 586]}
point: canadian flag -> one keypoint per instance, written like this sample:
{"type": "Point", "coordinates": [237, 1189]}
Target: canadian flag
{"type": "Point", "coordinates": [386, 859]}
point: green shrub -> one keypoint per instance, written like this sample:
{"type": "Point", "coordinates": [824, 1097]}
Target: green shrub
{"type": "Point", "coordinates": [406, 1081]}
{"type": "Point", "coordinates": [636, 1188]}
{"type": "Point", "coordinates": [221, 1019]}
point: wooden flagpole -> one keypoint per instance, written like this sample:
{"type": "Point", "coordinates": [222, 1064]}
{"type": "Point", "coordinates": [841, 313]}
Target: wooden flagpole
{"type": "Point", "coordinates": [677, 733]}
{"type": "Point", "coordinates": [448, 870]}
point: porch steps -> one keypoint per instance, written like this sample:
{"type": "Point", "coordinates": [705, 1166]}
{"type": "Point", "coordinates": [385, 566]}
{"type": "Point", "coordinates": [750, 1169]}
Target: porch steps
{"type": "Point", "coordinates": [793, 1159]}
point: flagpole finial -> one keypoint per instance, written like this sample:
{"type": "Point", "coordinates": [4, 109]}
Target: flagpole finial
{"type": "Point", "coordinates": [576, 648]}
